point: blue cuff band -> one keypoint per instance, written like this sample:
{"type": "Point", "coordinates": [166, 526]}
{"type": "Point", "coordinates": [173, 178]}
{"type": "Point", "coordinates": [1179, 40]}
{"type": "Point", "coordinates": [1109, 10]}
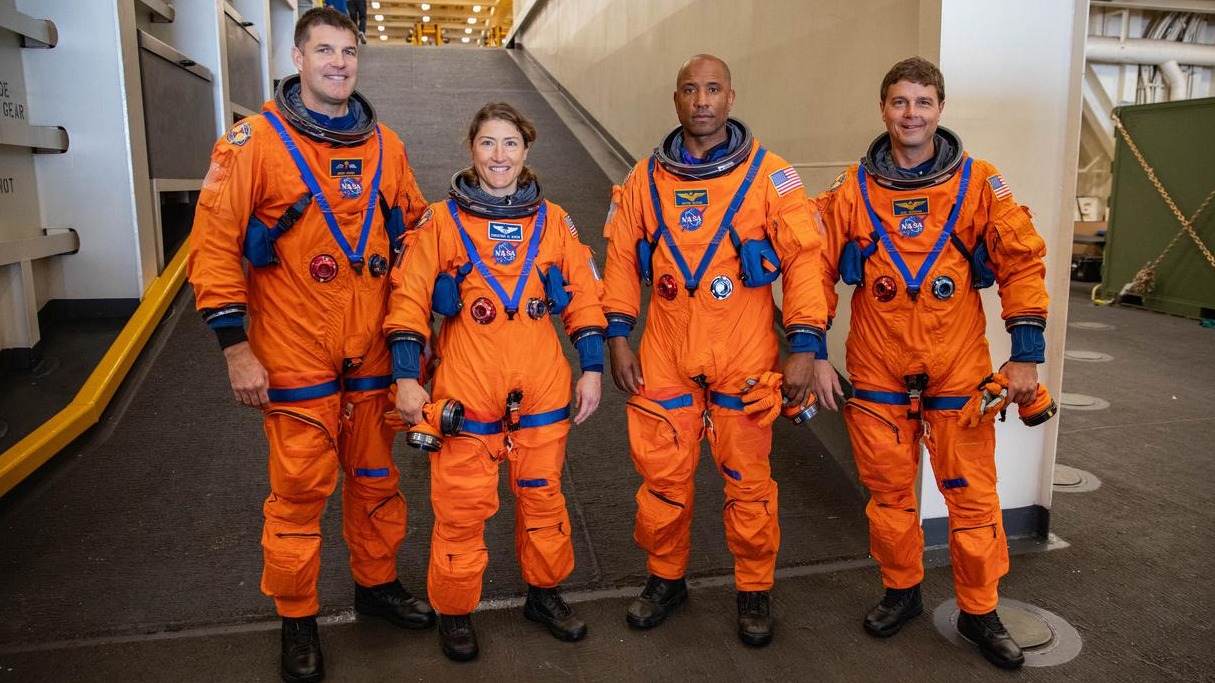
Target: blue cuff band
{"type": "Point", "coordinates": [801, 342]}
{"type": "Point", "coordinates": [406, 359]}
{"type": "Point", "coordinates": [618, 328]}
{"type": "Point", "coordinates": [590, 353]}
{"type": "Point", "coordinates": [1028, 344]}
{"type": "Point", "coordinates": [227, 320]}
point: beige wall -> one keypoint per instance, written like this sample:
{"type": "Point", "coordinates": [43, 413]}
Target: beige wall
{"type": "Point", "coordinates": [808, 89]}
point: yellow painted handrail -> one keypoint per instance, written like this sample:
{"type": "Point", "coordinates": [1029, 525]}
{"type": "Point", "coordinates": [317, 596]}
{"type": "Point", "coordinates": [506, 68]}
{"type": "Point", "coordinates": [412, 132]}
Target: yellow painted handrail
{"type": "Point", "coordinates": [27, 455]}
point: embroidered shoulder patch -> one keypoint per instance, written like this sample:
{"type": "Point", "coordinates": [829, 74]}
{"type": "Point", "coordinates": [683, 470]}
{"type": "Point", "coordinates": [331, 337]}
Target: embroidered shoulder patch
{"type": "Point", "coordinates": [239, 134]}
{"type": "Point", "coordinates": [785, 180]}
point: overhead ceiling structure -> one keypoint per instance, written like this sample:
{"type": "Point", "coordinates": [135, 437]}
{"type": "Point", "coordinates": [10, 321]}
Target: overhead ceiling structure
{"type": "Point", "coordinates": [465, 23]}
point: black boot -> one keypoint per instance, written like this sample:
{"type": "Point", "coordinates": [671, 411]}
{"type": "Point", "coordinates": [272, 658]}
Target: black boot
{"type": "Point", "coordinates": [988, 632]}
{"type": "Point", "coordinates": [754, 618]}
{"type": "Point", "coordinates": [302, 661]}
{"type": "Point", "coordinates": [660, 598]}
{"type": "Point", "coordinates": [545, 606]}
{"type": "Point", "coordinates": [394, 603]}
{"type": "Point", "coordinates": [898, 605]}
{"type": "Point", "coordinates": [457, 637]}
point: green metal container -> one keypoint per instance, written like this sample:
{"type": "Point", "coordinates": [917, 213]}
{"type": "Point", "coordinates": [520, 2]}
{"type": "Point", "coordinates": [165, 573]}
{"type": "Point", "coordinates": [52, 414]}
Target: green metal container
{"type": "Point", "coordinates": [1177, 139]}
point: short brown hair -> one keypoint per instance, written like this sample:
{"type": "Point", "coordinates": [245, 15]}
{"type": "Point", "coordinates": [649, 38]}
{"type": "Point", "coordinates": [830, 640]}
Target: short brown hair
{"type": "Point", "coordinates": [916, 70]}
{"type": "Point", "coordinates": [326, 16]}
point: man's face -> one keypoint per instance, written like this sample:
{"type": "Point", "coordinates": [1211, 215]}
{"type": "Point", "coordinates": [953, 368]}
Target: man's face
{"type": "Point", "coordinates": [911, 113]}
{"type": "Point", "coordinates": [329, 66]}
{"type": "Point", "coordinates": [703, 98]}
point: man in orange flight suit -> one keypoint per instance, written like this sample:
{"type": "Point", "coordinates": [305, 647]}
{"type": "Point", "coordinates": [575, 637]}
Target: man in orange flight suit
{"type": "Point", "coordinates": [920, 227]}
{"type": "Point", "coordinates": [496, 260]}
{"type": "Point", "coordinates": [711, 218]}
{"type": "Point", "coordinates": [312, 193]}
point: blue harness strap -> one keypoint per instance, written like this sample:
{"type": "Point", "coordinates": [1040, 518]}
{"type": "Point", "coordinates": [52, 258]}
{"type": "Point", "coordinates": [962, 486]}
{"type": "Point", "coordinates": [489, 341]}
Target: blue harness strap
{"type": "Point", "coordinates": [525, 421]}
{"type": "Point", "coordinates": [914, 282]}
{"type": "Point", "coordinates": [895, 398]}
{"type": "Point", "coordinates": [692, 280]}
{"type": "Point", "coordinates": [680, 401]}
{"type": "Point", "coordinates": [329, 388]}
{"type": "Point", "coordinates": [304, 393]}
{"type": "Point", "coordinates": [729, 401]}
{"type": "Point", "coordinates": [353, 254]}
{"type": "Point", "coordinates": [510, 303]}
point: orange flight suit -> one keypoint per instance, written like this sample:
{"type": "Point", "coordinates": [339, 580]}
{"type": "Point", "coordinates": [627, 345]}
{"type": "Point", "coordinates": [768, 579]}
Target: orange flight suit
{"type": "Point", "coordinates": [482, 357]}
{"type": "Point", "coordinates": [938, 333]}
{"type": "Point", "coordinates": [315, 324]}
{"type": "Point", "coordinates": [698, 350]}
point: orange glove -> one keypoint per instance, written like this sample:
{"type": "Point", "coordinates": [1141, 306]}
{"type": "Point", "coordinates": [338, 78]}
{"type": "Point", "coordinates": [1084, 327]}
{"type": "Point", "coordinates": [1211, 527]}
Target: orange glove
{"type": "Point", "coordinates": [763, 396]}
{"type": "Point", "coordinates": [392, 418]}
{"type": "Point", "coordinates": [989, 400]}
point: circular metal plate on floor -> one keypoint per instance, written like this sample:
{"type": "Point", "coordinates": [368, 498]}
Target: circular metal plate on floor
{"type": "Point", "coordinates": [1091, 356]}
{"type": "Point", "coordinates": [1074, 480]}
{"type": "Point", "coordinates": [1082, 402]}
{"type": "Point", "coordinates": [1044, 637]}
{"type": "Point", "coordinates": [1090, 326]}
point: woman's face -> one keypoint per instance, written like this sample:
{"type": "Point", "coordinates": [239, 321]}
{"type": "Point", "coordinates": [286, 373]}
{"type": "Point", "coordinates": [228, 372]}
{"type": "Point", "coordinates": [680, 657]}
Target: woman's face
{"type": "Point", "coordinates": [498, 154]}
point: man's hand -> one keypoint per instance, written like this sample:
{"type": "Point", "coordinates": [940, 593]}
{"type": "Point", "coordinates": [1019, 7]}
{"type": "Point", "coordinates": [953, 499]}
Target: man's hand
{"type": "Point", "coordinates": [799, 373]}
{"type": "Point", "coordinates": [1022, 381]}
{"type": "Point", "coordinates": [250, 381]}
{"type": "Point", "coordinates": [626, 369]}
{"type": "Point", "coordinates": [826, 385]}
{"type": "Point", "coordinates": [411, 396]}
{"type": "Point", "coordinates": [587, 391]}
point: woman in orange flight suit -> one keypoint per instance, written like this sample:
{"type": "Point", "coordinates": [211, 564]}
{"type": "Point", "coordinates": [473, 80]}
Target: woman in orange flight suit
{"type": "Point", "coordinates": [497, 259]}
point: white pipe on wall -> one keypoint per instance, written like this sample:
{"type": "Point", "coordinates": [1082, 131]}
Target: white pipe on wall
{"type": "Point", "coordinates": [1174, 78]}
{"type": "Point", "coordinates": [1141, 51]}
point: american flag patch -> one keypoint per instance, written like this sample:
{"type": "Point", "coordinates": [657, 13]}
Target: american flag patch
{"type": "Point", "coordinates": [570, 222]}
{"type": "Point", "coordinates": [999, 187]}
{"type": "Point", "coordinates": [785, 180]}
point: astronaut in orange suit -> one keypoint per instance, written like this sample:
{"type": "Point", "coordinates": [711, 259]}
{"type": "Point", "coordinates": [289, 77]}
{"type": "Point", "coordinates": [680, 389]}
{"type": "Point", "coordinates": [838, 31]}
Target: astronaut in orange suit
{"type": "Point", "coordinates": [710, 219]}
{"type": "Point", "coordinates": [920, 226]}
{"type": "Point", "coordinates": [497, 260]}
{"type": "Point", "coordinates": [297, 223]}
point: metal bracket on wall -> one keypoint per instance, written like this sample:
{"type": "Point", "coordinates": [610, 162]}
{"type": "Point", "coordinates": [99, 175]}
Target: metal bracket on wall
{"type": "Point", "coordinates": [33, 32]}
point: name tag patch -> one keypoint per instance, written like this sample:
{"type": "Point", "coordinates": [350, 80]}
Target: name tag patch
{"type": "Point", "coordinates": [691, 197]}
{"type": "Point", "coordinates": [910, 207]}
{"type": "Point", "coordinates": [345, 167]}
{"type": "Point", "coordinates": [505, 232]}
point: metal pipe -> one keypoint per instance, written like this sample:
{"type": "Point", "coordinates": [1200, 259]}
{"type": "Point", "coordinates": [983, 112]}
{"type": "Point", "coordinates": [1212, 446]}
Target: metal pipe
{"type": "Point", "coordinates": [1155, 52]}
{"type": "Point", "coordinates": [1175, 79]}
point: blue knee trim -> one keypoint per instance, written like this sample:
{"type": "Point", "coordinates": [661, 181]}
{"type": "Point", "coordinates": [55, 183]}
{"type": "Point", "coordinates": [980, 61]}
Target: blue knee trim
{"type": "Point", "coordinates": [532, 483]}
{"type": "Point", "coordinates": [733, 474]}
{"type": "Point", "coordinates": [364, 472]}
{"type": "Point", "coordinates": [958, 483]}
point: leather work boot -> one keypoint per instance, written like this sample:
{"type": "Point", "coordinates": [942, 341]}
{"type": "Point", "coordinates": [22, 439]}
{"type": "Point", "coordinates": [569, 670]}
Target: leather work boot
{"type": "Point", "coordinates": [302, 661]}
{"type": "Point", "coordinates": [659, 598]}
{"type": "Point", "coordinates": [457, 637]}
{"type": "Point", "coordinates": [394, 603]}
{"type": "Point", "coordinates": [754, 618]}
{"type": "Point", "coordinates": [545, 606]}
{"type": "Point", "coordinates": [898, 605]}
{"type": "Point", "coordinates": [986, 631]}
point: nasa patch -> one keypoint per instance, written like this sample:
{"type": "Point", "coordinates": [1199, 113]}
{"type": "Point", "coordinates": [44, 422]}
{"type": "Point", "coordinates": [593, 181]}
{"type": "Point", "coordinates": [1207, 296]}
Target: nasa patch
{"type": "Point", "coordinates": [509, 232]}
{"type": "Point", "coordinates": [504, 253]}
{"type": "Point", "coordinates": [239, 135]}
{"type": "Point", "coordinates": [350, 187]}
{"type": "Point", "coordinates": [911, 226]}
{"type": "Point", "coordinates": [691, 219]}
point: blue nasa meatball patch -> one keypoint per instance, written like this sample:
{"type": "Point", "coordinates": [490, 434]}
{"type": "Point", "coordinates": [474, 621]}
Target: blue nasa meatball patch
{"type": "Point", "coordinates": [351, 187]}
{"type": "Point", "coordinates": [504, 253]}
{"type": "Point", "coordinates": [691, 219]}
{"type": "Point", "coordinates": [911, 226]}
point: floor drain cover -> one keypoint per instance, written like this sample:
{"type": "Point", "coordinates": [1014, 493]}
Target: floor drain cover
{"type": "Point", "coordinates": [1082, 402]}
{"type": "Point", "coordinates": [1074, 480]}
{"type": "Point", "coordinates": [1044, 637]}
{"type": "Point", "coordinates": [1090, 326]}
{"type": "Point", "coordinates": [1091, 356]}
